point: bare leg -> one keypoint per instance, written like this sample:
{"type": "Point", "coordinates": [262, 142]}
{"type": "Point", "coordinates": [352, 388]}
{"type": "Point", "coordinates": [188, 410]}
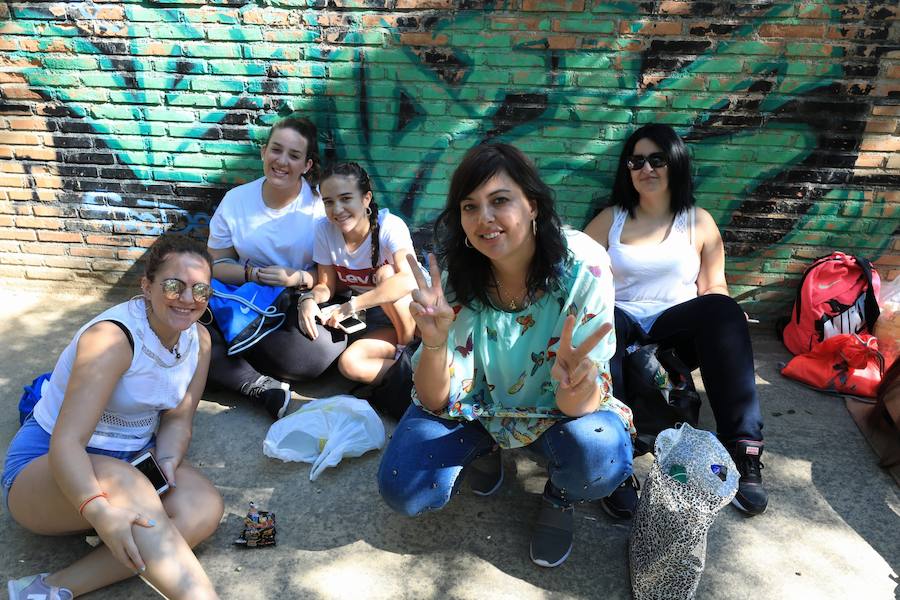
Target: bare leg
{"type": "Point", "coordinates": [38, 505]}
{"type": "Point", "coordinates": [401, 319]}
{"type": "Point", "coordinates": [368, 359]}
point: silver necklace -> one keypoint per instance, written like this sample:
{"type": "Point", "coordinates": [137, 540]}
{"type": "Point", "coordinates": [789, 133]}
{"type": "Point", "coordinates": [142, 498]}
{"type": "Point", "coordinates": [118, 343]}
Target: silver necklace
{"type": "Point", "coordinates": [501, 291]}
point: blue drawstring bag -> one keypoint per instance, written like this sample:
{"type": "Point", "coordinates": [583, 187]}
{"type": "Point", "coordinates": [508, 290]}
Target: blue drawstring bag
{"type": "Point", "coordinates": [31, 396]}
{"type": "Point", "coordinates": [246, 314]}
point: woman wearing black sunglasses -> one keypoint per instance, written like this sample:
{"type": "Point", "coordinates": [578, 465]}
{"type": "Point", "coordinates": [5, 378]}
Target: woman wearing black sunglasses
{"type": "Point", "coordinates": [668, 263]}
{"type": "Point", "coordinates": [128, 383]}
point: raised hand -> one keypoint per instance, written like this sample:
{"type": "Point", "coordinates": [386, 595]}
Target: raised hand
{"type": "Point", "coordinates": [113, 524]}
{"type": "Point", "coordinates": [429, 307]}
{"type": "Point", "coordinates": [575, 371]}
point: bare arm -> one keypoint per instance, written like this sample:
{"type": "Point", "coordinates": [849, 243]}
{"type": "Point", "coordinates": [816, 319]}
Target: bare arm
{"type": "Point", "coordinates": [387, 290]}
{"type": "Point", "coordinates": [711, 279]}
{"type": "Point", "coordinates": [274, 275]}
{"type": "Point", "coordinates": [176, 425]}
{"type": "Point", "coordinates": [308, 309]}
{"type": "Point", "coordinates": [434, 317]}
{"type": "Point", "coordinates": [599, 226]}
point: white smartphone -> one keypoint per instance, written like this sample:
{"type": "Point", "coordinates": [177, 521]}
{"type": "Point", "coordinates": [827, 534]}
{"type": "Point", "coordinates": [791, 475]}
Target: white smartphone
{"type": "Point", "coordinates": [351, 325]}
{"type": "Point", "coordinates": [146, 464]}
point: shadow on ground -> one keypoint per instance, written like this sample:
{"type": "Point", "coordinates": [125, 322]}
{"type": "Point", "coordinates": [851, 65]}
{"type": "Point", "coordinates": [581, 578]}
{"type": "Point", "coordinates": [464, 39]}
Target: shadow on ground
{"type": "Point", "coordinates": [832, 530]}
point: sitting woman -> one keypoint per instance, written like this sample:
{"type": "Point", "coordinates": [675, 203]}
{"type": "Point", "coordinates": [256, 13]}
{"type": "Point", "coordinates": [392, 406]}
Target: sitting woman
{"type": "Point", "coordinates": [263, 232]}
{"type": "Point", "coordinates": [363, 250]}
{"type": "Point", "coordinates": [514, 353]}
{"type": "Point", "coordinates": [128, 382]}
{"type": "Point", "coordinates": [668, 262]}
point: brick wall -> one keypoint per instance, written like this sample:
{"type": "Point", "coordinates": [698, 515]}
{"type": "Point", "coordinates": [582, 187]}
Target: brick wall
{"type": "Point", "coordinates": [119, 120]}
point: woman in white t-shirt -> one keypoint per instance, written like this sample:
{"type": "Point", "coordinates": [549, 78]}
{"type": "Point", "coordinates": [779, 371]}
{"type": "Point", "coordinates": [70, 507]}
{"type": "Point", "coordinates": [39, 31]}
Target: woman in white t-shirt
{"type": "Point", "coordinates": [263, 232]}
{"type": "Point", "coordinates": [362, 250]}
{"type": "Point", "coordinates": [129, 382]}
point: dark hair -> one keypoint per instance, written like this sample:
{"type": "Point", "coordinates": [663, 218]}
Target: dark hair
{"type": "Point", "coordinates": [468, 270]}
{"type": "Point", "coordinates": [364, 185]}
{"type": "Point", "coordinates": [172, 243]}
{"type": "Point", "coordinates": [681, 186]}
{"type": "Point", "coordinates": [307, 129]}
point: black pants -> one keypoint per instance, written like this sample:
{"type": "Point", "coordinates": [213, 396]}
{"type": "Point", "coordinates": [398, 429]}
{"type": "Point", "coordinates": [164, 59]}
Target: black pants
{"type": "Point", "coordinates": [283, 354]}
{"type": "Point", "coordinates": [709, 332]}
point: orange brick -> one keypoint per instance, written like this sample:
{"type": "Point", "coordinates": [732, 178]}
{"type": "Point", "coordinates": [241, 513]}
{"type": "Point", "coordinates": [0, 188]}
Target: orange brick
{"type": "Point", "coordinates": [27, 123]}
{"type": "Point", "coordinates": [675, 8]}
{"type": "Point", "coordinates": [93, 252]}
{"type": "Point", "coordinates": [68, 237]}
{"type": "Point", "coordinates": [56, 249]}
{"type": "Point", "coordinates": [49, 273]}
{"type": "Point", "coordinates": [777, 30]}
{"type": "Point", "coordinates": [881, 144]}
{"type": "Point", "coordinates": [107, 240]}
{"type": "Point", "coordinates": [553, 5]}
{"type": "Point", "coordinates": [6, 221]}
{"type": "Point", "coordinates": [36, 153]}
{"type": "Point", "coordinates": [879, 126]}
{"type": "Point", "coordinates": [13, 181]}
{"type": "Point", "coordinates": [130, 254]}
{"type": "Point", "coordinates": [423, 39]}
{"type": "Point", "coordinates": [20, 139]}
{"type": "Point", "coordinates": [422, 4]}
{"type": "Point", "coordinates": [20, 93]}
{"type": "Point", "coordinates": [46, 181]}
{"type": "Point", "coordinates": [17, 234]}
{"type": "Point", "coordinates": [652, 28]}
{"type": "Point", "coordinates": [869, 160]}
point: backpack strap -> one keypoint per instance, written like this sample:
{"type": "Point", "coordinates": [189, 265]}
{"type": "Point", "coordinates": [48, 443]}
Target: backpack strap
{"type": "Point", "coordinates": [872, 310]}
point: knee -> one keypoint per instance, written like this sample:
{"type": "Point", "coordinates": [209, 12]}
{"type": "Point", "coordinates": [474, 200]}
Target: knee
{"type": "Point", "coordinates": [722, 309]}
{"type": "Point", "coordinates": [396, 492]}
{"type": "Point", "coordinates": [596, 458]}
{"type": "Point", "coordinates": [347, 363]}
{"type": "Point", "coordinates": [198, 517]}
{"type": "Point", "coordinates": [125, 483]}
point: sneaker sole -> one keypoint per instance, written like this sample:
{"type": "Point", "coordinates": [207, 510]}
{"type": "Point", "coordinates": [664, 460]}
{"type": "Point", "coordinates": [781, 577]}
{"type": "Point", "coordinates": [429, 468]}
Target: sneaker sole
{"type": "Point", "coordinates": [494, 489]}
{"type": "Point", "coordinates": [744, 510]}
{"type": "Point", "coordinates": [547, 565]}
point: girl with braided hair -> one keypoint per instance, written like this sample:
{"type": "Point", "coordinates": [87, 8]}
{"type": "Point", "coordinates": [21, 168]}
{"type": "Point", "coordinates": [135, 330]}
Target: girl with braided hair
{"type": "Point", "coordinates": [361, 249]}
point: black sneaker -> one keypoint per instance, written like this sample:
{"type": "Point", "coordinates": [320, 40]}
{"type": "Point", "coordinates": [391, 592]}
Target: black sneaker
{"type": "Point", "coordinates": [551, 542]}
{"type": "Point", "coordinates": [751, 496]}
{"type": "Point", "coordinates": [275, 395]}
{"type": "Point", "coordinates": [485, 474]}
{"type": "Point", "coordinates": [622, 503]}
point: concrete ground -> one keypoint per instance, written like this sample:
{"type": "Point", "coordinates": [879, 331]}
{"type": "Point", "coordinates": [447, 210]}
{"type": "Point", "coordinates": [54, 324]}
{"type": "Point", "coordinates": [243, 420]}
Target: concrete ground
{"type": "Point", "coordinates": [832, 529]}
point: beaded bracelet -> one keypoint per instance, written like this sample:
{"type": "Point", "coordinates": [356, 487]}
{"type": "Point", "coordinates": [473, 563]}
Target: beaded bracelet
{"type": "Point", "coordinates": [94, 497]}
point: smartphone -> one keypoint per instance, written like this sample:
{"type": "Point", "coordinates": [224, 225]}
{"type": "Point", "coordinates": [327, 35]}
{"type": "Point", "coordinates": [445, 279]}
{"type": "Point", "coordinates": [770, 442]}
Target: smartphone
{"type": "Point", "coordinates": [351, 325]}
{"type": "Point", "coordinates": [146, 464]}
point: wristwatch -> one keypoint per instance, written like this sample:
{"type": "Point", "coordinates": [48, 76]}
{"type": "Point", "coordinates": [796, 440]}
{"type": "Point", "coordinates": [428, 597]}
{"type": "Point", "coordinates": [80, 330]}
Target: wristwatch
{"type": "Point", "coordinates": [306, 296]}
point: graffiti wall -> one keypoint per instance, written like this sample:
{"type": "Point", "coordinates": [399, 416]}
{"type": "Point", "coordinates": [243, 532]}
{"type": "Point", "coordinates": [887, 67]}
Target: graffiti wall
{"type": "Point", "coordinates": [120, 120]}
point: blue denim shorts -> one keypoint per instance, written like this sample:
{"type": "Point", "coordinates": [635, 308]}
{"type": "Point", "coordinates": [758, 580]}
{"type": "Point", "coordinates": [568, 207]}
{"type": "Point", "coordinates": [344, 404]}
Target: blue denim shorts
{"type": "Point", "coordinates": [32, 442]}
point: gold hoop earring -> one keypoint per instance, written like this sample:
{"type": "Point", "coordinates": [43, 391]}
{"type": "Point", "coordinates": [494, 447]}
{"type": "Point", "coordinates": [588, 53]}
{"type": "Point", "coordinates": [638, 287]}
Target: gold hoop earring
{"type": "Point", "coordinates": [467, 243]}
{"type": "Point", "coordinates": [368, 211]}
{"type": "Point", "coordinates": [206, 312]}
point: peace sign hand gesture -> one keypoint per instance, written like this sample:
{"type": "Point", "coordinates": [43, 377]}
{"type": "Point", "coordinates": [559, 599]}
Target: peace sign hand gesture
{"type": "Point", "coordinates": [575, 371]}
{"type": "Point", "coordinates": [429, 308]}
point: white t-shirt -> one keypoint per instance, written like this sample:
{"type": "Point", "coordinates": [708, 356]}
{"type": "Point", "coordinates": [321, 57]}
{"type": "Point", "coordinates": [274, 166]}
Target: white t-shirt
{"type": "Point", "coordinates": [354, 269]}
{"type": "Point", "coordinates": [264, 235]}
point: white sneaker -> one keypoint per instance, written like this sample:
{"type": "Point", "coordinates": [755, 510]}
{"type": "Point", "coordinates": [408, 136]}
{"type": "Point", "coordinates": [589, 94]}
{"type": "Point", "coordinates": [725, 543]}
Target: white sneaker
{"type": "Point", "coordinates": [33, 587]}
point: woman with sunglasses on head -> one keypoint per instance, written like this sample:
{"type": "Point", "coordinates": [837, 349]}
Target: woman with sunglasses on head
{"type": "Point", "coordinates": [361, 250]}
{"type": "Point", "coordinates": [668, 263]}
{"type": "Point", "coordinates": [129, 382]}
{"type": "Point", "coordinates": [263, 232]}
{"type": "Point", "coordinates": [514, 354]}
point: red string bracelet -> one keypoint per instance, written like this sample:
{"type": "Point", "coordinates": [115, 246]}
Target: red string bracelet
{"type": "Point", "coordinates": [94, 497]}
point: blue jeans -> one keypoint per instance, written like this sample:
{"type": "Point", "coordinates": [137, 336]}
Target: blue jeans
{"type": "Point", "coordinates": [587, 458]}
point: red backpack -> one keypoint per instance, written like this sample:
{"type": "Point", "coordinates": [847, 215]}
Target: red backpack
{"type": "Point", "coordinates": [837, 294]}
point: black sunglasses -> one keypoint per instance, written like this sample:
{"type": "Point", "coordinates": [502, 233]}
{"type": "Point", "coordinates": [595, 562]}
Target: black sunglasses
{"type": "Point", "coordinates": [636, 162]}
{"type": "Point", "coordinates": [172, 289]}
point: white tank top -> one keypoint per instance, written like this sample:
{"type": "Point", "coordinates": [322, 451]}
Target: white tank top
{"type": "Point", "coordinates": [652, 278]}
{"type": "Point", "coordinates": [156, 380]}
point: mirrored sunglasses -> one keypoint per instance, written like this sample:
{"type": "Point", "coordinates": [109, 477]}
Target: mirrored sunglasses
{"type": "Point", "coordinates": [636, 162]}
{"type": "Point", "coordinates": [172, 289]}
